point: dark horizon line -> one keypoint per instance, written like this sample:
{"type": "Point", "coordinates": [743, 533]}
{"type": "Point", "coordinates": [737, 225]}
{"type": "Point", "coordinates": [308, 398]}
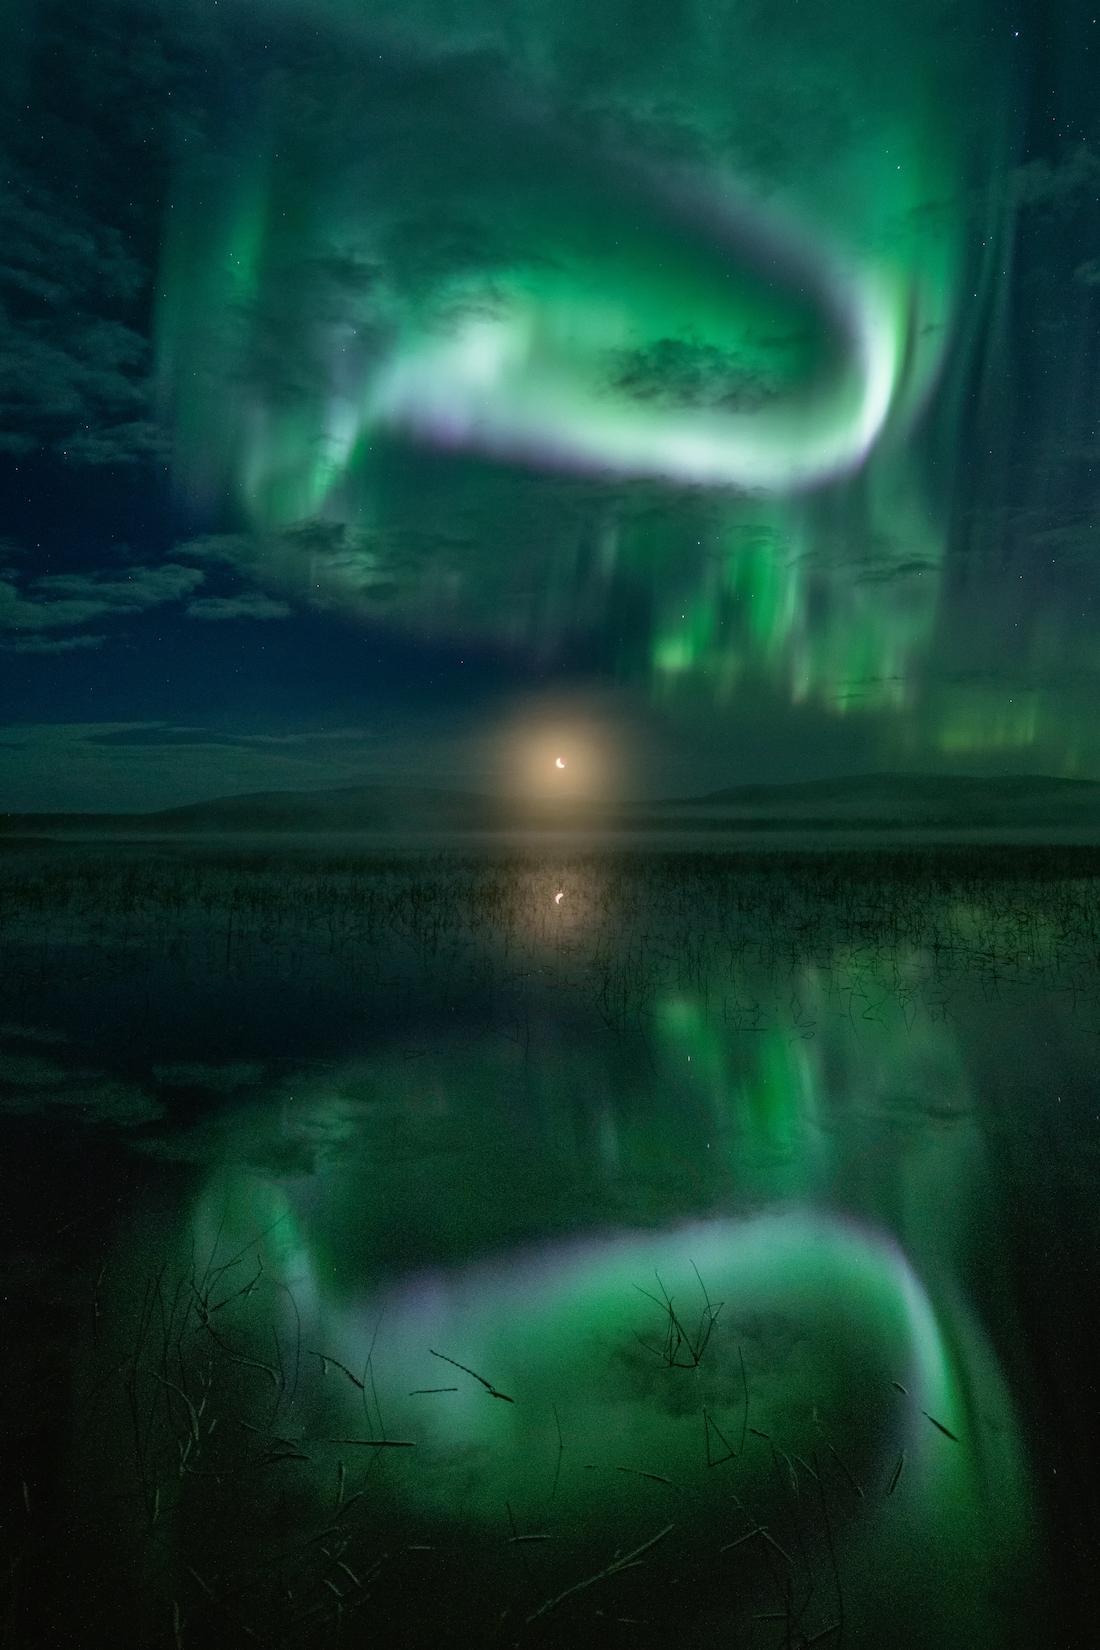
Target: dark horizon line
{"type": "Point", "coordinates": [722, 794]}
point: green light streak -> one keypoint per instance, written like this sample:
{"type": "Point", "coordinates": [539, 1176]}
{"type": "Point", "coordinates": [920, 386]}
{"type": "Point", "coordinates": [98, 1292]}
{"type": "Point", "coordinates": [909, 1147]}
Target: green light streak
{"type": "Point", "coordinates": [361, 281]}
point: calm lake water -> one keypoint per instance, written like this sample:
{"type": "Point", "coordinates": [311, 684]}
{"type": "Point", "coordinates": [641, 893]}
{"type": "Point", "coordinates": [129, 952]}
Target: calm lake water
{"type": "Point", "coordinates": [500, 1249]}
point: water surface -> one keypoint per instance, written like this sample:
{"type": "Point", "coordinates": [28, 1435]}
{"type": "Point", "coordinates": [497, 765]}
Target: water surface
{"type": "Point", "coordinates": [498, 1248]}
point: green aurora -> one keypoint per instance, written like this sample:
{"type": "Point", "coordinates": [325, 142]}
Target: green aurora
{"type": "Point", "coordinates": [419, 334]}
{"type": "Point", "coordinates": [846, 1300]}
{"type": "Point", "coordinates": [727, 370]}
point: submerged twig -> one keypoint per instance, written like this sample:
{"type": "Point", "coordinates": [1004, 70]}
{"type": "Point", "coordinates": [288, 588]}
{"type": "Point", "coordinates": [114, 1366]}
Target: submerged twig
{"type": "Point", "coordinates": [832, 1554]}
{"type": "Point", "coordinates": [494, 1392]}
{"type": "Point", "coordinates": [327, 1358]}
{"type": "Point", "coordinates": [709, 1426]}
{"type": "Point", "coordinates": [955, 1439]}
{"type": "Point", "coordinates": [561, 1451]}
{"type": "Point", "coordinates": [376, 1443]}
{"type": "Point", "coordinates": [899, 1467]}
{"type": "Point", "coordinates": [628, 1562]}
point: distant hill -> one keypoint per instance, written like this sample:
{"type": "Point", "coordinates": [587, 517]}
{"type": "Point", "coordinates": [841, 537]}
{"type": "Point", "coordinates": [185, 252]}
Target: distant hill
{"type": "Point", "coordinates": [348, 808]}
{"type": "Point", "coordinates": [905, 800]}
{"type": "Point", "coordinates": [862, 802]}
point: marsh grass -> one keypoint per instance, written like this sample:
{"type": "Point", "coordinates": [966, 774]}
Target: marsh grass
{"type": "Point", "coordinates": [902, 928]}
{"type": "Point", "coordinates": [238, 1515]}
{"type": "Point", "coordinates": [223, 1503]}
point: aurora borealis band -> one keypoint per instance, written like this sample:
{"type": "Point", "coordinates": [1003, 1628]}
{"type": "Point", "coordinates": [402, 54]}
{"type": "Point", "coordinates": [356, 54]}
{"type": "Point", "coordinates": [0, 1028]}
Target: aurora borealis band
{"type": "Point", "coordinates": [549, 823]}
{"type": "Point", "coordinates": [730, 365]}
{"type": "Point", "coordinates": [579, 305]}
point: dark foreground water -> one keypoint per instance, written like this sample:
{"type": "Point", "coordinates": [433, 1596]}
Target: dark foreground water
{"type": "Point", "coordinates": [627, 1250]}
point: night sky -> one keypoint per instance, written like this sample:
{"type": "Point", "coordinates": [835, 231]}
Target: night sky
{"type": "Point", "coordinates": [388, 388]}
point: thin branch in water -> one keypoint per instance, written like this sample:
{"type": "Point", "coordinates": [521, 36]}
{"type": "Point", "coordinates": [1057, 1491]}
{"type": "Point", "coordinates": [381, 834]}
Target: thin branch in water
{"type": "Point", "coordinates": [782, 1551]}
{"type": "Point", "coordinates": [955, 1439]}
{"type": "Point", "coordinates": [657, 1477]}
{"type": "Point", "coordinates": [217, 1240]}
{"type": "Point", "coordinates": [628, 1562]}
{"type": "Point", "coordinates": [239, 1256]}
{"type": "Point", "coordinates": [236, 1357]}
{"type": "Point", "coordinates": [709, 1426]}
{"type": "Point", "coordinates": [832, 1555]}
{"type": "Point", "coordinates": [488, 1385]}
{"type": "Point", "coordinates": [842, 1464]}
{"type": "Point", "coordinates": [896, 1474]}
{"type": "Point", "coordinates": [326, 1359]}
{"type": "Point", "coordinates": [191, 1410]}
{"type": "Point", "coordinates": [368, 1374]}
{"type": "Point", "coordinates": [265, 1432]}
{"type": "Point", "coordinates": [376, 1443]}
{"type": "Point", "coordinates": [745, 1390]}
{"type": "Point", "coordinates": [758, 1529]}
{"type": "Point", "coordinates": [278, 1283]}
{"type": "Point", "coordinates": [245, 1289]}
{"type": "Point", "coordinates": [561, 1451]}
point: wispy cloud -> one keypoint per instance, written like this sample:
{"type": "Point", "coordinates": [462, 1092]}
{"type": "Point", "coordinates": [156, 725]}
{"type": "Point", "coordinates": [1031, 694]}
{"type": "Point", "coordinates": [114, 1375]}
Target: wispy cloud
{"type": "Point", "coordinates": [1061, 183]}
{"type": "Point", "coordinates": [66, 601]}
{"type": "Point", "coordinates": [122, 766]}
{"type": "Point", "coordinates": [54, 644]}
{"type": "Point", "coordinates": [245, 606]}
{"type": "Point", "coordinates": [74, 369]}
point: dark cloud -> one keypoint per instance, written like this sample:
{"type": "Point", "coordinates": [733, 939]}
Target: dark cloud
{"type": "Point", "coordinates": [159, 735]}
{"type": "Point", "coordinates": [139, 441]}
{"type": "Point", "coordinates": [65, 601]}
{"type": "Point", "coordinates": [681, 373]}
{"type": "Point", "coordinates": [54, 252]}
{"type": "Point", "coordinates": [126, 590]}
{"type": "Point", "coordinates": [912, 567]}
{"type": "Point", "coordinates": [1059, 183]}
{"type": "Point", "coordinates": [327, 565]}
{"type": "Point", "coordinates": [249, 605]}
{"type": "Point", "coordinates": [34, 1083]}
{"type": "Point", "coordinates": [74, 365]}
{"type": "Point", "coordinates": [53, 644]}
